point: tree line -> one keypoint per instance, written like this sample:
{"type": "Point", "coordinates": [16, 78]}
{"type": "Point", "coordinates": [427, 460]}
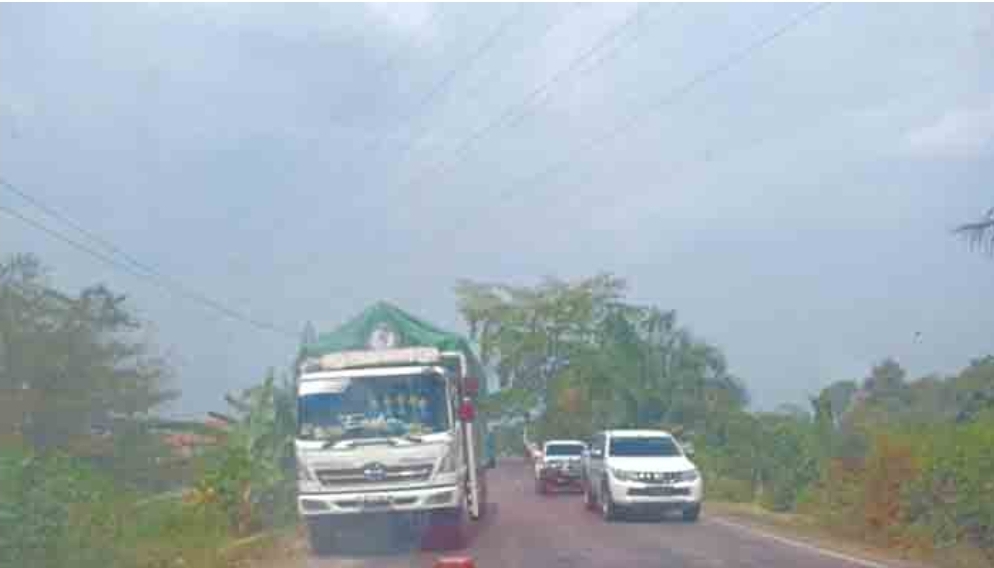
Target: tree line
{"type": "Point", "coordinates": [86, 476]}
{"type": "Point", "coordinates": [907, 464]}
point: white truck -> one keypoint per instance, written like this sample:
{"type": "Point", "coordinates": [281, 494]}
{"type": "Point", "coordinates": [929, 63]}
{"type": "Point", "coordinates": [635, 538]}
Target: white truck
{"type": "Point", "coordinates": [388, 430]}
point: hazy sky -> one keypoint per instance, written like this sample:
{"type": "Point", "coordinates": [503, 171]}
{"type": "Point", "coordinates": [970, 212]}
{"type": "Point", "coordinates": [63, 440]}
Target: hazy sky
{"type": "Point", "coordinates": [302, 161]}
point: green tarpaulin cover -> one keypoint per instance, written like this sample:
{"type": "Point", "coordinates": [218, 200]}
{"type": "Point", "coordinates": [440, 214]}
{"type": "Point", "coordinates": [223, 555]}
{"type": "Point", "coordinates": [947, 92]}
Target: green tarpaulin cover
{"type": "Point", "coordinates": [382, 320]}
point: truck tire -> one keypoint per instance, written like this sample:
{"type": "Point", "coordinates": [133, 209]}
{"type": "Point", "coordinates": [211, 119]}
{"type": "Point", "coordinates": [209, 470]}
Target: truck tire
{"type": "Point", "coordinates": [320, 535]}
{"type": "Point", "coordinates": [692, 513]}
{"type": "Point", "coordinates": [540, 487]}
{"type": "Point", "coordinates": [482, 481]}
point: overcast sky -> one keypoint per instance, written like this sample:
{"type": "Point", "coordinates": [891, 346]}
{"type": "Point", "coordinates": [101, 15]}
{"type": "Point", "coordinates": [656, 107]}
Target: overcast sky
{"type": "Point", "coordinates": [302, 161]}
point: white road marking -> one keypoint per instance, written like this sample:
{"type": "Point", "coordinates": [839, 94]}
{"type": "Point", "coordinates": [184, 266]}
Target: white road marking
{"type": "Point", "coordinates": [801, 545]}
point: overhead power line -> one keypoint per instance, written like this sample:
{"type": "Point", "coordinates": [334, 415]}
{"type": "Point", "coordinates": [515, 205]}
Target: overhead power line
{"type": "Point", "coordinates": [130, 264]}
{"type": "Point", "coordinates": [440, 86]}
{"type": "Point", "coordinates": [415, 140]}
{"type": "Point", "coordinates": [637, 119]}
{"type": "Point", "coordinates": [512, 114]}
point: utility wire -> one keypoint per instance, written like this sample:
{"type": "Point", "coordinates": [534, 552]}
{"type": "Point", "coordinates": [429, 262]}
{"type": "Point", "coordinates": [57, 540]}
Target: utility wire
{"type": "Point", "coordinates": [439, 88]}
{"type": "Point", "coordinates": [415, 140]}
{"type": "Point", "coordinates": [671, 96]}
{"type": "Point", "coordinates": [131, 265]}
{"type": "Point", "coordinates": [515, 112]}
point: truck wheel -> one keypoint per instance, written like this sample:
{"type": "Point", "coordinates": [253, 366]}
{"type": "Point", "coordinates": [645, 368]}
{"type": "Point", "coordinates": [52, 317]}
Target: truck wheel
{"type": "Point", "coordinates": [539, 487]}
{"type": "Point", "coordinates": [320, 535]}
{"type": "Point", "coordinates": [609, 511]}
{"type": "Point", "coordinates": [692, 513]}
{"type": "Point", "coordinates": [482, 480]}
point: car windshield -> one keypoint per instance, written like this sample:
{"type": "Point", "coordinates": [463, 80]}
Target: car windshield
{"type": "Point", "coordinates": [644, 447]}
{"type": "Point", "coordinates": [374, 407]}
{"type": "Point", "coordinates": [563, 450]}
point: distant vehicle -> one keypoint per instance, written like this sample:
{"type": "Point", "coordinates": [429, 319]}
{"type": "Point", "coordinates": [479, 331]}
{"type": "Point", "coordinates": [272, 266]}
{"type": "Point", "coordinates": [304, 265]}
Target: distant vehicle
{"type": "Point", "coordinates": [628, 470]}
{"type": "Point", "coordinates": [559, 466]}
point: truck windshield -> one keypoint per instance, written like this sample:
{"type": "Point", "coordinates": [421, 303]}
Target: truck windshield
{"type": "Point", "coordinates": [644, 447]}
{"type": "Point", "coordinates": [375, 407]}
{"type": "Point", "coordinates": [563, 450]}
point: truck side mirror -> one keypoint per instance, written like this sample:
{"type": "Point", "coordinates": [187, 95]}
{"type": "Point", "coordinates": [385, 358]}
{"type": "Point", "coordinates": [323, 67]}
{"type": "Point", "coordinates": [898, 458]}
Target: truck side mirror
{"type": "Point", "coordinates": [471, 386]}
{"type": "Point", "coordinates": [596, 454]}
{"type": "Point", "coordinates": [688, 448]}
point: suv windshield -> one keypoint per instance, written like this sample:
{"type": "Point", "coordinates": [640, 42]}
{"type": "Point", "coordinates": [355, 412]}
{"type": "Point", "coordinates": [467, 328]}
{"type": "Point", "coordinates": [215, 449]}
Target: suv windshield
{"type": "Point", "coordinates": [644, 447]}
{"type": "Point", "coordinates": [563, 450]}
{"type": "Point", "coordinates": [372, 407]}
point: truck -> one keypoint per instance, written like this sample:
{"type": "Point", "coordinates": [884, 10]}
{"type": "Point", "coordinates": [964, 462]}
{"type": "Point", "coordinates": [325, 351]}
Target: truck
{"type": "Point", "coordinates": [387, 427]}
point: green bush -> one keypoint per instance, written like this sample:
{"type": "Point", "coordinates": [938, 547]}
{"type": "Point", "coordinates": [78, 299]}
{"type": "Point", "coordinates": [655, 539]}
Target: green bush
{"type": "Point", "coordinates": [58, 511]}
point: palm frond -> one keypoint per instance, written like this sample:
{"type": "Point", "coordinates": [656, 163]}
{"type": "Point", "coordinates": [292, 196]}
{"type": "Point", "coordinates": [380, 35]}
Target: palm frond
{"type": "Point", "coordinates": [979, 234]}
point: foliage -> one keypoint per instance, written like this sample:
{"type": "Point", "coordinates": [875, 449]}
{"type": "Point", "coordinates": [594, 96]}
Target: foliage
{"type": "Point", "coordinates": [904, 463]}
{"type": "Point", "coordinates": [251, 476]}
{"type": "Point", "coordinates": [59, 511]}
{"type": "Point", "coordinates": [70, 364]}
{"type": "Point", "coordinates": [580, 356]}
{"type": "Point", "coordinates": [979, 233]}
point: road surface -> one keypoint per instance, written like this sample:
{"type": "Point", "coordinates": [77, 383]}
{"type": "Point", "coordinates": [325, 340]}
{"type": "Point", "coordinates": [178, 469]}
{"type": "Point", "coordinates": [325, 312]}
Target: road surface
{"type": "Point", "coordinates": [525, 530]}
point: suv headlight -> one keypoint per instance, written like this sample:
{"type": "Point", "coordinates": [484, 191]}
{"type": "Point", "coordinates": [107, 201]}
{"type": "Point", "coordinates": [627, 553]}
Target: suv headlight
{"type": "Point", "coordinates": [689, 475]}
{"type": "Point", "coordinates": [623, 475]}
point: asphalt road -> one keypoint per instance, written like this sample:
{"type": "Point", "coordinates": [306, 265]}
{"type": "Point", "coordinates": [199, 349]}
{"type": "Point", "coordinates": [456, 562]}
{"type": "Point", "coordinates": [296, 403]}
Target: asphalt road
{"type": "Point", "coordinates": [525, 530]}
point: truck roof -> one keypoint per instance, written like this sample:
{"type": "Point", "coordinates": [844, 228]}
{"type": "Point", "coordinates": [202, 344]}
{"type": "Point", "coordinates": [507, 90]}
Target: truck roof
{"type": "Point", "coordinates": [385, 326]}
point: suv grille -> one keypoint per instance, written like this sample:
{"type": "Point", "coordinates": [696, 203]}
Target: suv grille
{"type": "Point", "coordinates": [664, 477]}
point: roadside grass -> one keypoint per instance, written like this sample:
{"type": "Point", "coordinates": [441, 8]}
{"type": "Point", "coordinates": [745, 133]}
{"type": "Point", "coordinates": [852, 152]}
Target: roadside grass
{"type": "Point", "coordinates": [811, 530]}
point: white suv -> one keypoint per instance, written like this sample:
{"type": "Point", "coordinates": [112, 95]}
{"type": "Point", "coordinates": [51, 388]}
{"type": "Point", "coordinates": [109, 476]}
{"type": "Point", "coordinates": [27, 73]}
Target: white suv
{"type": "Point", "coordinates": [640, 469]}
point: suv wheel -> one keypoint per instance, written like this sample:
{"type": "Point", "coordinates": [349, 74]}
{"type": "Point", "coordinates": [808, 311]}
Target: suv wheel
{"type": "Point", "coordinates": [608, 509]}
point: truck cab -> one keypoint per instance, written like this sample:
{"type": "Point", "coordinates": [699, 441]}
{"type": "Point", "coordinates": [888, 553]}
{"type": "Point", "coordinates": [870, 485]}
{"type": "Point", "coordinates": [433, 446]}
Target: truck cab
{"type": "Point", "coordinates": [386, 431]}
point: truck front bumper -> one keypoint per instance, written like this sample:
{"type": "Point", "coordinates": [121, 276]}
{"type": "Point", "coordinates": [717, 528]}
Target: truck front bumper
{"type": "Point", "coordinates": [383, 501]}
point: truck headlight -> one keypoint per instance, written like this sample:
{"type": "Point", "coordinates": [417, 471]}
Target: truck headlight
{"type": "Point", "coordinates": [689, 475]}
{"type": "Point", "coordinates": [303, 473]}
{"type": "Point", "coordinates": [622, 474]}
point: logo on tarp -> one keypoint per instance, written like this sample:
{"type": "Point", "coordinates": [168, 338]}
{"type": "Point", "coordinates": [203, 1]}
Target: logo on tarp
{"type": "Point", "coordinates": [382, 338]}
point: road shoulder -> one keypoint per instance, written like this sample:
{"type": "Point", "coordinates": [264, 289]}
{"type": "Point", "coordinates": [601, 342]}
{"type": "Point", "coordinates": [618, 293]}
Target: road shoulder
{"type": "Point", "coordinates": [803, 533]}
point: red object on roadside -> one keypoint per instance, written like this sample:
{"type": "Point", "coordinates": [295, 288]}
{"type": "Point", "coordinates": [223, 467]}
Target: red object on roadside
{"type": "Point", "coordinates": [455, 562]}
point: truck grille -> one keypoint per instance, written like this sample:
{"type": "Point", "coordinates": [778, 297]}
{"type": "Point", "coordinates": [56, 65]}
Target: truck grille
{"type": "Point", "coordinates": [390, 474]}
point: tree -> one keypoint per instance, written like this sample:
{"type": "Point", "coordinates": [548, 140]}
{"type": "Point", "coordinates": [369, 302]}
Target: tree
{"type": "Point", "coordinates": [77, 363]}
{"type": "Point", "coordinates": [980, 233]}
{"type": "Point", "coordinates": [586, 359]}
